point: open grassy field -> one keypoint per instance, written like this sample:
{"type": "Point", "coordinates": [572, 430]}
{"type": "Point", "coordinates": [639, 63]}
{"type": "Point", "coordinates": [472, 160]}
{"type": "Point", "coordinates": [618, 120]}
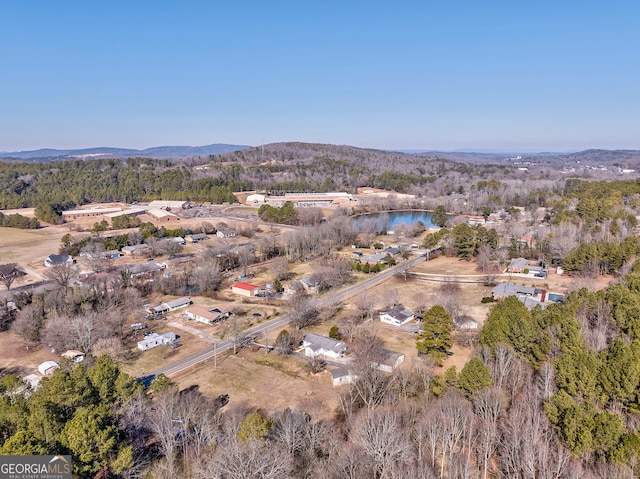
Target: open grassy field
{"type": "Point", "coordinates": [15, 359]}
{"type": "Point", "coordinates": [271, 381]}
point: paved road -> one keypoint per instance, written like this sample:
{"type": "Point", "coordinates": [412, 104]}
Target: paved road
{"type": "Point", "coordinates": [279, 323]}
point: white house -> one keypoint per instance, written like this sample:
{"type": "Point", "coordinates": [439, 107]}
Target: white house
{"type": "Point", "coordinates": [154, 339]}
{"type": "Point", "coordinates": [397, 316]}
{"type": "Point", "coordinates": [228, 233]}
{"type": "Point", "coordinates": [316, 345]}
{"type": "Point", "coordinates": [388, 360]}
{"type": "Point", "coordinates": [342, 376]}
{"type": "Point", "coordinates": [48, 367]}
{"type": "Point", "coordinates": [207, 316]}
{"type": "Point", "coordinates": [168, 306]}
{"type": "Point", "coordinates": [57, 260]}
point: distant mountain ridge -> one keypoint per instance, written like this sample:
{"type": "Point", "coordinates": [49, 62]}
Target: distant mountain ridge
{"type": "Point", "coordinates": [307, 152]}
{"type": "Point", "coordinates": [110, 152]}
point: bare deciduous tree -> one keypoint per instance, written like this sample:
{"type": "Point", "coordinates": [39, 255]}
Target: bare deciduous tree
{"type": "Point", "coordinates": [380, 434]}
{"type": "Point", "coordinates": [29, 323]}
{"type": "Point", "coordinates": [304, 311]}
{"type": "Point", "coordinates": [207, 276]}
{"type": "Point", "coordinates": [62, 274]}
{"type": "Point", "coordinates": [9, 273]}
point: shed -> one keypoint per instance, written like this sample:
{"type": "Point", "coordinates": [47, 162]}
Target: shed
{"type": "Point", "coordinates": [244, 289]}
{"type": "Point", "coordinates": [48, 367]}
{"type": "Point", "coordinates": [73, 355]}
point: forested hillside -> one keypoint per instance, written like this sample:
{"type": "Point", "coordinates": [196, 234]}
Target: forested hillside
{"type": "Point", "coordinates": [295, 168]}
{"type": "Point", "coordinates": [68, 183]}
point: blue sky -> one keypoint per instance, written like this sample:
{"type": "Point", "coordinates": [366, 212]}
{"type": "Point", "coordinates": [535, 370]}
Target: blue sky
{"type": "Point", "coordinates": [408, 75]}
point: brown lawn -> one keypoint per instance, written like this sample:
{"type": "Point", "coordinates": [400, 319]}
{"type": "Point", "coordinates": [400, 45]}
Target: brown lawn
{"type": "Point", "coordinates": [15, 359]}
{"type": "Point", "coordinates": [259, 381]}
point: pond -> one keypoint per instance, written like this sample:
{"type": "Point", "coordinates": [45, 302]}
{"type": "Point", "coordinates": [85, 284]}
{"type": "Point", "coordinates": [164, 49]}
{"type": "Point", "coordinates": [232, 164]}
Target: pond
{"type": "Point", "coordinates": [388, 220]}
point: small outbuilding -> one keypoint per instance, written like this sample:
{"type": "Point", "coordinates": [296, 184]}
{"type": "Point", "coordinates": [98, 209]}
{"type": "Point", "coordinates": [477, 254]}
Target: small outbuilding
{"type": "Point", "coordinates": [73, 355]}
{"type": "Point", "coordinates": [244, 289]}
{"type": "Point", "coordinates": [47, 368]}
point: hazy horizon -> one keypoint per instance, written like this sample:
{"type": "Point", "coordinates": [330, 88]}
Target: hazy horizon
{"type": "Point", "coordinates": [496, 150]}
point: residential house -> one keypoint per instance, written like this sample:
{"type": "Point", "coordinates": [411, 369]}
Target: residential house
{"type": "Point", "coordinates": [518, 265]}
{"type": "Point", "coordinates": [316, 345]}
{"type": "Point", "coordinates": [48, 367]}
{"type": "Point", "coordinates": [144, 270]}
{"type": "Point", "coordinates": [392, 251]}
{"type": "Point", "coordinates": [295, 287]}
{"type": "Point", "coordinates": [154, 339]}
{"type": "Point", "coordinates": [226, 233]}
{"type": "Point", "coordinates": [373, 258]}
{"type": "Point", "coordinates": [207, 316]}
{"type": "Point", "coordinates": [57, 260]}
{"type": "Point", "coordinates": [177, 261]}
{"type": "Point", "coordinates": [388, 360]}
{"type": "Point", "coordinates": [301, 286]}
{"type": "Point", "coordinates": [244, 289]}
{"type": "Point", "coordinates": [397, 316]}
{"type": "Point", "coordinates": [167, 306]}
{"type": "Point", "coordinates": [504, 290]}
{"type": "Point", "coordinates": [136, 249]}
{"type": "Point", "coordinates": [175, 239]}
{"type": "Point", "coordinates": [155, 311]}
{"type": "Point", "coordinates": [10, 270]}
{"type": "Point", "coordinates": [194, 238]}
{"type": "Point", "coordinates": [530, 302]}
{"type": "Point", "coordinates": [178, 303]}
